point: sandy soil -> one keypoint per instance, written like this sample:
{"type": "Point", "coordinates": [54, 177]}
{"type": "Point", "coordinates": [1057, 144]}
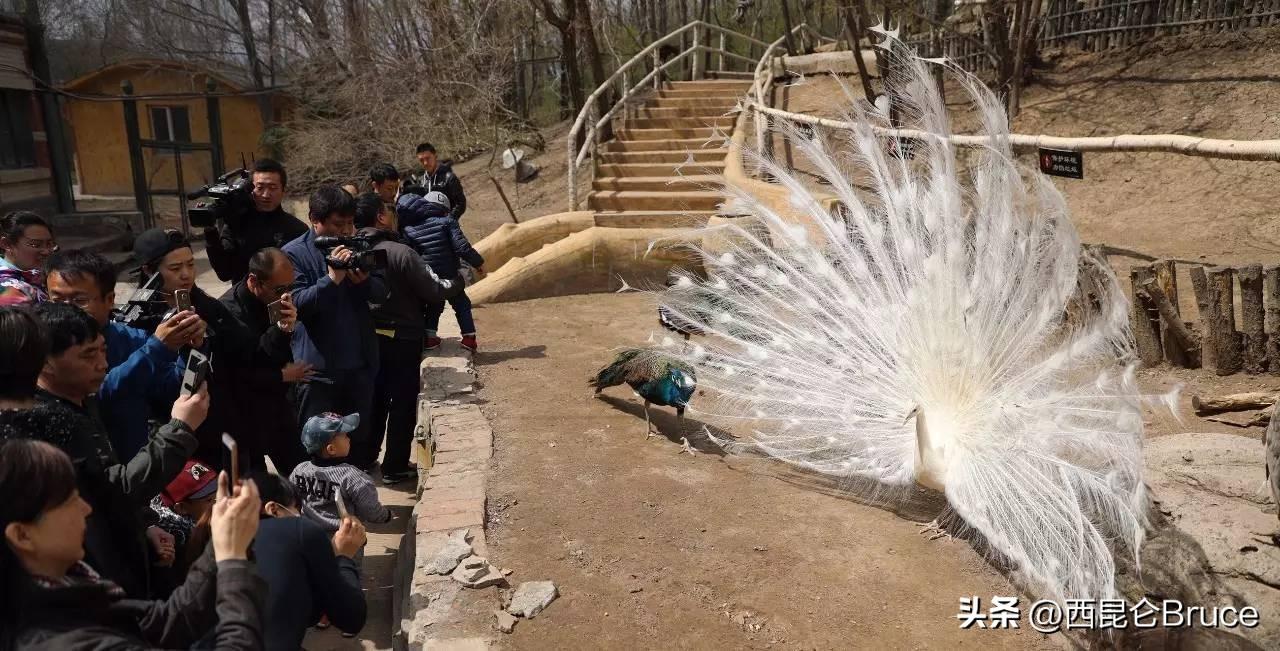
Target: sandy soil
{"type": "Point", "coordinates": [654, 548]}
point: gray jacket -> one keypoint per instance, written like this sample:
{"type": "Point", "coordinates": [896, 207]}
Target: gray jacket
{"type": "Point", "coordinates": [318, 483]}
{"type": "Point", "coordinates": [412, 285]}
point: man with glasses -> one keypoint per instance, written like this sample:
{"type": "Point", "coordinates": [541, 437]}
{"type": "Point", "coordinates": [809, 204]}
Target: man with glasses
{"type": "Point", "coordinates": [266, 424]}
{"type": "Point", "coordinates": [143, 370]}
{"type": "Point", "coordinates": [231, 245]}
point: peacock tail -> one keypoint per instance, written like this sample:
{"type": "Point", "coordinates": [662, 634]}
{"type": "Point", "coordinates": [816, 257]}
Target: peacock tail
{"type": "Point", "coordinates": [942, 327]}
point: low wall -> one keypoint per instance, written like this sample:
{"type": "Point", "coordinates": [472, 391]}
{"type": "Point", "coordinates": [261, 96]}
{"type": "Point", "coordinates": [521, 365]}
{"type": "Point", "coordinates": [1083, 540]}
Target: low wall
{"type": "Point", "coordinates": [593, 260]}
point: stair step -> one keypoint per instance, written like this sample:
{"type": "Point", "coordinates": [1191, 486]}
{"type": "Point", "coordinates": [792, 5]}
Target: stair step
{"type": "Point", "coordinates": [684, 133]}
{"type": "Point", "coordinates": [654, 200]}
{"type": "Point", "coordinates": [723, 103]}
{"type": "Point", "coordinates": [662, 156]}
{"type": "Point", "coordinates": [736, 83]}
{"type": "Point", "coordinates": [678, 112]}
{"type": "Point", "coordinates": [707, 93]}
{"type": "Point", "coordinates": [653, 218]}
{"type": "Point", "coordinates": [659, 169]}
{"type": "Point", "coordinates": [733, 75]}
{"type": "Point", "coordinates": [658, 183]}
{"type": "Point", "coordinates": [668, 144]}
{"type": "Point", "coordinates": [723, 121]}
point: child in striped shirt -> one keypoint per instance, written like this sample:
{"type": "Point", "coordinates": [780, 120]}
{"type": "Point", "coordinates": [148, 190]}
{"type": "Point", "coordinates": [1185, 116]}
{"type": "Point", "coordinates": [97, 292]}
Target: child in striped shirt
{"type": "Point", "coordinates": [326, 476]}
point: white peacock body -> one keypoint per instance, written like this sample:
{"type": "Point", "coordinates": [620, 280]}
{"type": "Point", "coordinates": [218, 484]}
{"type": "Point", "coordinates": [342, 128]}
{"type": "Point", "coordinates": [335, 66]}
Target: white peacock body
{"type": "Point", "coordinates": [943, 327]}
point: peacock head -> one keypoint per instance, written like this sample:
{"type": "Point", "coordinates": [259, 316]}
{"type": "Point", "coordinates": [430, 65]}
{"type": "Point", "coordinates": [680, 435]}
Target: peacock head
{"type": "Point", "coordinates": [683, 381]}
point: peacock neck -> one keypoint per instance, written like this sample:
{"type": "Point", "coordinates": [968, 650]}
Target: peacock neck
{"type": "Point", "coordinates": [930, 457]}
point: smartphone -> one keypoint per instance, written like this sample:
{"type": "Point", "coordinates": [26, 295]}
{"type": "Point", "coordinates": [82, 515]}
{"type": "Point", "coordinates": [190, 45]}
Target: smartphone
{"type": "Point", "coordinates": [183, 299]}
{"type": "Point", "coordinates": [197, 370]}
{"type": "Point", "coordinates": [275, 311]}
{"type": "Point", "coordinates": [342, 505]}
{"type": "Point", "coordinates": [234, 451]}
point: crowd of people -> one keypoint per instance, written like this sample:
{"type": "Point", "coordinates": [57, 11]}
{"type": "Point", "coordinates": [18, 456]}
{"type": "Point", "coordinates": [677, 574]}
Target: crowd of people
{"type": "Point", "coordinates": [182, 470]}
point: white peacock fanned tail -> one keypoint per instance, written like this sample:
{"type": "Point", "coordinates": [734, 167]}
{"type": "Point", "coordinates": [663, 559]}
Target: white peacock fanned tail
{"type": "Point", "coordinates": [949, 284]}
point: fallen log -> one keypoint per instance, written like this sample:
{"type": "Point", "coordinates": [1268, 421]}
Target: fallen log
{"type": "Point", "coordinates": [1185, 351]}
{"type": "Point", "coordinates": [1260, 419]}
{"type": "Point", "coordinates": [1205, 405]}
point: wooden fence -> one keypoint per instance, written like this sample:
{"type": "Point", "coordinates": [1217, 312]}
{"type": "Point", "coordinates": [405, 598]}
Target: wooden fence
{"type": "Point", "coordinates": [1162, 335]}
{"type": "Point", "coordinates": [1101, 25]}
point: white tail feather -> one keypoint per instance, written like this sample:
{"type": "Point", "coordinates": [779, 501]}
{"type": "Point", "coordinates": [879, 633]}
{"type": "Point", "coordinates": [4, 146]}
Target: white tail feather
{"type": "Point", "coordinates": [958, 288]}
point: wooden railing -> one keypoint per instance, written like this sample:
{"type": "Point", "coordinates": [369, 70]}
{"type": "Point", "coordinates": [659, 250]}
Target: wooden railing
{"type": "Point", "coordinates": [594, 123]}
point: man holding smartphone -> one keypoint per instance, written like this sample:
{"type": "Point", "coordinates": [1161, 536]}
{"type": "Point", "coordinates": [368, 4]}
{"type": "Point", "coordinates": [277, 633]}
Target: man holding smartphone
{"type": "Point", "coordinates": [262, 303]}
{"type": "Point", "coordinates": [142, 368]}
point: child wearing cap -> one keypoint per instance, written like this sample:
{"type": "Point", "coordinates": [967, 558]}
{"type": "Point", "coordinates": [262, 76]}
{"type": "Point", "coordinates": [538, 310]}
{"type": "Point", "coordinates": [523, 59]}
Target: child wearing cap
{"type": "Point", "coordinates": [183, 509]}
{"type": "Point", "coordinates": [320, 480]}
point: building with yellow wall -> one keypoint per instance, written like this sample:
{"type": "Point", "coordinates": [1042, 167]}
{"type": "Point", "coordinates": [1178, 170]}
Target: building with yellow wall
{"type": "Point", "coordinates": [98, 127]}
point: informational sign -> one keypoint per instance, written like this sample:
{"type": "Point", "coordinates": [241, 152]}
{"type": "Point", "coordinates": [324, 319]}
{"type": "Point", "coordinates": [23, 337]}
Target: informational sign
{"type": "Point", "coordinates": [1060, 162]}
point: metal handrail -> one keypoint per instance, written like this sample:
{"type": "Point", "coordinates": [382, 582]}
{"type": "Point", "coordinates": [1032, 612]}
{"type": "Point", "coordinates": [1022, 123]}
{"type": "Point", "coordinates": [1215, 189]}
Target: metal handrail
{"type": "Point", "coordinates": [577, 155]}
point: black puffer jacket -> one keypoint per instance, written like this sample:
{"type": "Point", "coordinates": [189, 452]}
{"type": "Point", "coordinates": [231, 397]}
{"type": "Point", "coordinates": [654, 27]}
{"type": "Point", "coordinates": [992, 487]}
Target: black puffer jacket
{"type": "Point", "coordinates": [443, 180]}
{"type": "Point", "coordinates": [435, 235]}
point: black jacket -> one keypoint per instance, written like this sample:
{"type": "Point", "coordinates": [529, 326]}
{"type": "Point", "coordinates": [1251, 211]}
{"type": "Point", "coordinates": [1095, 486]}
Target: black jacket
{"type": "Point", "coordinates": [114, 542]}
{"type": "Point", "coordinates": [443, 180]}
{"type": "Point", "coordinates": [230, 346]}
{"type": "Point", "coordinates": [231, 245]}
{"type": "Point", "coordinates": [305, 580]}
{"type": "Point", "coordinates": [411, 284]}
{"type": "Point", "coordinates": [265, 420]}
{"type": "Point", "coordinates": [223, 598]}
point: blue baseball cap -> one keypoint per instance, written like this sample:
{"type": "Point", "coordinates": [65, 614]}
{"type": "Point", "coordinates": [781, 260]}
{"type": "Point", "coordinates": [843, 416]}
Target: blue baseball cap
{"type": "Point", "coordinates": [321, 429]}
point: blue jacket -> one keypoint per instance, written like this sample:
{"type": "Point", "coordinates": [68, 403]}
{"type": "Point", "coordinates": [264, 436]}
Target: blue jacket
{"type": "Point", "coordinates": [435, 235]}
{"type": "Point", "coordinates": [338, 329]}
{"type": "Point", "coordinates": [141, 372]}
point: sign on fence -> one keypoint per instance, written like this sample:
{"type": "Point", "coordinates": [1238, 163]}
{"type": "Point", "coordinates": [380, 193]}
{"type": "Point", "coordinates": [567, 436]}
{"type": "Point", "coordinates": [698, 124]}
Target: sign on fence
{"type": "Point", "coordinates": [1060, 162]}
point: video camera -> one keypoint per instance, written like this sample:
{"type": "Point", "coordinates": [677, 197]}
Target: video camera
{"type": "Point", "coordinates": [228, 198]}
{"type": "Point", "coordinates": [366, 257]}
{"type": "Point", "coordinates": [146, 307]}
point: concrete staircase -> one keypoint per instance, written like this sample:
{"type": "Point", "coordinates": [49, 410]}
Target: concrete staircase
{"type": "Point", "coordinates": [666, 155]}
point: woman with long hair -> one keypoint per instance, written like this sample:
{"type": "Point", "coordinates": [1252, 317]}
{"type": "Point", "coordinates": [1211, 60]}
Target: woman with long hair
{"type": "Point", "coordinates": [56, 601]}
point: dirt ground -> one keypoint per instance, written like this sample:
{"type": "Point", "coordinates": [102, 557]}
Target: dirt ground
{"type": "Point", "coordinates": [653, 548]}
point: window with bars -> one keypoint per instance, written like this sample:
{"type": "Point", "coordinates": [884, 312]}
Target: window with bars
{"type": "Point", "coordinates": [170, 124]}
{"type": "Point", "coordinates": [17, 142]}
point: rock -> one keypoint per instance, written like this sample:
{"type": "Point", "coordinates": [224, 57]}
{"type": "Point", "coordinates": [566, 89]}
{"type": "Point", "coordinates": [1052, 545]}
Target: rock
{"type": "Point", "coordinates": [531, 597]}
{"type": "Point", "coordinates": [475, 572]}
{"type": "Point", "coordinates": [506, 621]}
{"type": "Point", "coordinates": [447, 558]}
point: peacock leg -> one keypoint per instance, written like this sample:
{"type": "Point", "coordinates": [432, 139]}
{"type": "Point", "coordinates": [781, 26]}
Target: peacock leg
{"type": "Point", "coordinates": [933, 530]}
{"type": "Point", "coordinates": [648, 425]}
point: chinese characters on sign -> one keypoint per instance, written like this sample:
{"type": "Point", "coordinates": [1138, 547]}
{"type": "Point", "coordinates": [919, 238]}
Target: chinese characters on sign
{"type": "Point", "coordinates": [1047, 616]}
{"type": "Point", "coordinates": [1059, 162]}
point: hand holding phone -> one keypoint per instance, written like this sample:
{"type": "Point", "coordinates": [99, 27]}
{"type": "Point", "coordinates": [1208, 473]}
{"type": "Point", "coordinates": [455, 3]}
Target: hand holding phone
{"type": "Point", "coordinates": [234, 450]}
{"type": "Point", "coordinates": [182, 298]}
{"type": "Point", "coordinates": [197, 369]}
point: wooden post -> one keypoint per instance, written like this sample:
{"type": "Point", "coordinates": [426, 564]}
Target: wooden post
{"type": "Point", "coordinates": [1224, 339]}
{"type": "Point", "coordinates": [1271, 292]}
{"type": "Point", "coordinates": [1205, 311]}
{"type": "Point", "coordinates": [1251, 312]}
{"type": "Point", "coordinates": [1145, 334]}
{"type": "Point", "coordinates": [1167, 279]}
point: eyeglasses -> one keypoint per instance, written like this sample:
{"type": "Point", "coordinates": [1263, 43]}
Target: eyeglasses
{"type": "Point", "coordinates": [80, 300]}
{"type": "Point", "coordinates": [41, 245]}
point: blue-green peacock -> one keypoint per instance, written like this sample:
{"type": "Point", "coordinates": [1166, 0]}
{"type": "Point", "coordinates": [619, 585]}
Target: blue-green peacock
{"type": "Point", "coordinates": [658, 379]}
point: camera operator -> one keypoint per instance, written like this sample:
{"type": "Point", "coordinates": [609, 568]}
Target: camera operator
{"type": "Point", "coordinates": [401, 328]}
{"type": "Point", "coordinates": [333, 299]}
{"type": "Point", "coordinates": [267, 425]}
{"type": "Point", "coordinates": [142, 368]}
{"type": "Point", "coordinates": [230, 243]}
{"type": "Point", "coordinates": [439, 177]}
